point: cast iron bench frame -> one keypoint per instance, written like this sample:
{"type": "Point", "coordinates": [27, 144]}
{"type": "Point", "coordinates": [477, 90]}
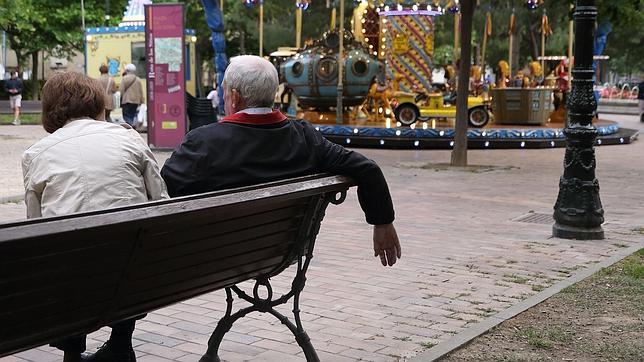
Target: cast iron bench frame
{"type": "Point", "coordinates": [69, 275]}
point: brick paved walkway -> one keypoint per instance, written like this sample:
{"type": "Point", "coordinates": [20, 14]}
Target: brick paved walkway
{"type": "Point", "coordinates": [464, 258]}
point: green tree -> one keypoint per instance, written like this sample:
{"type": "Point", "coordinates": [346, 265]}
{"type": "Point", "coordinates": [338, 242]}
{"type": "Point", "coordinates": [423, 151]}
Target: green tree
{"type": "Point", "coordinates": [50, 26]}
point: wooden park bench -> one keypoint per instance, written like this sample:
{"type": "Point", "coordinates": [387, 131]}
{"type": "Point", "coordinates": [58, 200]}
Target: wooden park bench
{"type": "Point", "coordinates": [69, 275]}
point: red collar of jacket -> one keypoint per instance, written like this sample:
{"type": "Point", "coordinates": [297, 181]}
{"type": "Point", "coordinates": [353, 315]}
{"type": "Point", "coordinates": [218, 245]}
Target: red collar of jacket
{"type": "Point", "coordinates": [256, 119]}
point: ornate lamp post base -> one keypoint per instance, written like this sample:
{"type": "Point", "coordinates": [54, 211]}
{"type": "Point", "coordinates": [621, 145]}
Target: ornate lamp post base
{"type": "Point", "coordinates": [579, 233]}
{"type": "Point", "coordinates": [578, 210]}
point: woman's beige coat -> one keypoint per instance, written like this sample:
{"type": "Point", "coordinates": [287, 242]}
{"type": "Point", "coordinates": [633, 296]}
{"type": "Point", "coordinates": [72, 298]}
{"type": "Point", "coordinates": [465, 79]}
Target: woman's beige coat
{"type": "Point", "coordinates": [89, 165]}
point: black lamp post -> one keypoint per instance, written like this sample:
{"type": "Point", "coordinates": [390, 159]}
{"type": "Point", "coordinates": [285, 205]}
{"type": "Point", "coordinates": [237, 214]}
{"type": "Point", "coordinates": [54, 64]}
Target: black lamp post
{"type": "Point", "coordinates": [578, 210]}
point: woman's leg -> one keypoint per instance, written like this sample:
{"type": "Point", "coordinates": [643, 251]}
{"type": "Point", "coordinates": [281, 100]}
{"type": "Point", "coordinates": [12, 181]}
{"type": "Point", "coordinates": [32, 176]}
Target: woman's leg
{"type": "Point", "coordinates": [72, 346]}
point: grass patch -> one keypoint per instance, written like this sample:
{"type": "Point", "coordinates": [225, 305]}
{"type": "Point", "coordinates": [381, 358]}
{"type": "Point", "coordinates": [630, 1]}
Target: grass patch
{"type": "Point", "coordinates": [513, 278]}
{"type": "Point", "coordinates": [538, 287]}
{"type": "Point", "coordinates": [427, 345]}
{"type": "Point", "coordinates": [545, 338]}
{"type": "Point", "coordinates": [25, 118]}
{"type": "Point", "coordinates": [405, 339]}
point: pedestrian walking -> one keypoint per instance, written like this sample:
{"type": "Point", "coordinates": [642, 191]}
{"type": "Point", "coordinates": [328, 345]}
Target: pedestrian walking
{"type": "Point", "coordinates": [214, 97]}
{"type": "Point", "coordinates": [640, 98]}
{"type": "Point", "coordinates": [131, 94]}
{"type": "Point", "coordinates": [110, 88]}
{"type": "Point", "coordinates": [14, 87]}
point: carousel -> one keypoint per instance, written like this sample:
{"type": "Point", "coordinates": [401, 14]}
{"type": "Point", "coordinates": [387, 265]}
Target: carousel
{"type": "Point", "coordinates": [373, 85]}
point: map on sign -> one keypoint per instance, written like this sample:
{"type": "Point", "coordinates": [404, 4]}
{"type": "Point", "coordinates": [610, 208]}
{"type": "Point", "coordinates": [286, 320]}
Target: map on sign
{"type": "Point", "coordinates": [168, 51]}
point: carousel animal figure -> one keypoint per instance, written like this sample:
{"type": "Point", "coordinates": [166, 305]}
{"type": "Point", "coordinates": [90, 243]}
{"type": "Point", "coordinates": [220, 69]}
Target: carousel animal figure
{"type": "Point", "coordinates": [504, 74]}
{"type": "Point", "coordinates": [536, 74]}
{"type": "Point", "coordinates": [561, 72]}
{"type": "Point", "coordinates": [379, 97]}
{"type": "Point", "coordinates": [475, 80]}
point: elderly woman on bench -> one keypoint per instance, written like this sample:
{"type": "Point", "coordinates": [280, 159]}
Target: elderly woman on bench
{"type": "Point", "coordinates": [87, 164]}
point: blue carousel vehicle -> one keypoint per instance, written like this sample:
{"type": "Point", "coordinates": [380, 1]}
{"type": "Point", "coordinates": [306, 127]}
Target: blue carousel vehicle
{"type": "Point", "coordinates": [312, 73]}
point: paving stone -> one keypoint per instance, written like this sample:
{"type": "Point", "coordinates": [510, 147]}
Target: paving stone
{"type": "Point", "coordinates": [160, 351]}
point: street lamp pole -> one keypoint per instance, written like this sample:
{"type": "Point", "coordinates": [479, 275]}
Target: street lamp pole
{"type": "Point", "coordinates": [578, 210]}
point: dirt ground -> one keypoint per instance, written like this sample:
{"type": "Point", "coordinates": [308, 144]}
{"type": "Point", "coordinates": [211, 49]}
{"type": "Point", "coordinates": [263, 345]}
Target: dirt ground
{"type": "Point", "coordinates": [598, 319]}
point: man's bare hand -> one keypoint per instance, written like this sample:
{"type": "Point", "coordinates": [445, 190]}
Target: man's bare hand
{"type": "Point", "coordinates": [386, 244]}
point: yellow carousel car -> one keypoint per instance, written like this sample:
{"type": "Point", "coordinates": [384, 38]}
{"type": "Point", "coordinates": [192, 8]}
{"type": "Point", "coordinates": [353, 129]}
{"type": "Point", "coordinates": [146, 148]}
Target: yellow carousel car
{"type": "Point", "coordinates": [412, 107]}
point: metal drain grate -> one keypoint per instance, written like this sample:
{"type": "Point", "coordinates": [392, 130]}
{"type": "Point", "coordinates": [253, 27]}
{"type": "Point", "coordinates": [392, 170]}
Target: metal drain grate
{"type": "Point", "coordinates": [535, 218]}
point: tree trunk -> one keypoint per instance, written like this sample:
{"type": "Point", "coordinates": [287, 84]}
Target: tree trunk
{"type": "Point", "coordinates": [34, 76]}
{"type": "Point", "coordinates": [534, 36]}
{"type": "Point", "coordinates": [459, 153]}
{"type": "Point", "coordinates": [242, 42]}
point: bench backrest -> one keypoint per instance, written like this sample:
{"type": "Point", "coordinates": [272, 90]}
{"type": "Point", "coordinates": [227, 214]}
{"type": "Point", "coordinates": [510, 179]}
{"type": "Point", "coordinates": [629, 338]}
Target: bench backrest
{"type": "Point", "coordinates": [74, 274]}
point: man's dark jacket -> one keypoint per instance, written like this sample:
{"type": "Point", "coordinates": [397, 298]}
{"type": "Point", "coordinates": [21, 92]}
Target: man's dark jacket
{"type": "Point", "coordinates": [247, 149]}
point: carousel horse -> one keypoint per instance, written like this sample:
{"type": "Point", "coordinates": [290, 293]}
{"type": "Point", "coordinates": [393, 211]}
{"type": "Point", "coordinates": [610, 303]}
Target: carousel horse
{"type": "Point", "coordinates": [504, 74]}
{"type": "Point", "coordinates": [379, 96]}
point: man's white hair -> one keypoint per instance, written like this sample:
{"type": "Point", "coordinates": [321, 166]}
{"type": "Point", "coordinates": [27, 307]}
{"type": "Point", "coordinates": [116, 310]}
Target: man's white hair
{"type": "Point", "coordinates": [254, 78]}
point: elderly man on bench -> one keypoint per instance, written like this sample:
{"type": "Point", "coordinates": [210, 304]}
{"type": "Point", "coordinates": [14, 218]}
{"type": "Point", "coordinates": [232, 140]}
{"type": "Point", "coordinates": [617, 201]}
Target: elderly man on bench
{"type": "Point", "coordinates": [255, 144]}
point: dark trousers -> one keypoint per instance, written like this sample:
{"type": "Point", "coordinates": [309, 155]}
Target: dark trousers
{"type": "Point", "coordinates": [121, 334]}
{"type": "Point", "coordinates": [129, 113]}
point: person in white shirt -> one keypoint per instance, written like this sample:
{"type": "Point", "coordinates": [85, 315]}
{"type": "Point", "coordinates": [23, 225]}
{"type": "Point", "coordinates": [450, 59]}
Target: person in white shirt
{"type": "Point", "coordinates": [214, 97]}
{"type": "Point", "coordinates": [87, 164]}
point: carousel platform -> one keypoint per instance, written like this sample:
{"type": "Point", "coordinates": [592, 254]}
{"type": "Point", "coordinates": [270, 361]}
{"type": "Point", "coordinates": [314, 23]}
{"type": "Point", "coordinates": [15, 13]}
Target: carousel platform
{"type": "Point", "coordinates": [427, 135]}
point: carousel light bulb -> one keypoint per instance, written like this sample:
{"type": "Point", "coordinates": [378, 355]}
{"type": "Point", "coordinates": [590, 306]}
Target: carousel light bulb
{"type": "Point", "coordinates": [382, 142]}
{"type": "Point", "coordinates": [387, 111]}
{"type": "Point", "coordinates": [412, 126]}
{"type": "Point", "coordinates": [621, 140]}
{"type": "Point", "coordinates": [599, 142]}
{"type": "Point", "coordinates": [348, 140]}
{"type": "Point", "coordinates": [416, 143]}
{"type": "Point", "coordinates": [380, 110]}
{"type": "Point", "coordinates": [487, 143]}
{"type": "Point", "coordinates": [429, 7]}
{"type": "Point", "coordinates": [370, 45]}
{"type": "Point", "coordinates": [383, 46]}
{"type": "Point", "coordinates": [451, 143]}
{"type": "Point", "coordinates": [398, 132]}
{"type": "Point", "coordinates": [552, 143]}
{"type": "Point", "coordinates": [424, 125]}
{"type": "Point", "coordinates": [398, 124]}
{"type": "Point", "coordinates": [522, 144]}
{"type": "Point", "coordinates": [364, 31]}
{"type": "Point", "coordinates": [414, 7]}
{"type": "Point", "coordinates": [355, 130]}
{"type": "Point", "coordinates": [384, 31]}
{"type": "Point", "coordinates": [441, 133]}
{"type": "Point", "coordinates": [399, 7]}
{"type": "Point", "coordinates": [382, 54]}
{"type": "Point", "coordinates": [386, 7]}
{"type": "Point", "coordinates": [384, 39]}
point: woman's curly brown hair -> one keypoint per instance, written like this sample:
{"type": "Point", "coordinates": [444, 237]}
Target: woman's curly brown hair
{"type": "Point", "coordinates": [70, 95]}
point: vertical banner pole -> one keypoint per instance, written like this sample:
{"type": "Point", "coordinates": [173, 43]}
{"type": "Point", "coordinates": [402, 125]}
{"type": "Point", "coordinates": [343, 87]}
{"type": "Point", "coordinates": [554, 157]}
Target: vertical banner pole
{"type": "Point", "coordinates": [570, 47]}
{"type": "Point", "coordinates": [338, 112]}
{"type": "Point", "coordinates": [298, 27]}
{"type": "Point", "coordinates": [261, 28]}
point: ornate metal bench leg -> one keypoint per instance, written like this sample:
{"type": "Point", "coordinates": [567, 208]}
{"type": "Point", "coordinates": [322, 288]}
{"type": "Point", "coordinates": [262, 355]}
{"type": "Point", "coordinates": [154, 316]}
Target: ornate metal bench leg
{"type": "Point", "coordinates": [223, 326]}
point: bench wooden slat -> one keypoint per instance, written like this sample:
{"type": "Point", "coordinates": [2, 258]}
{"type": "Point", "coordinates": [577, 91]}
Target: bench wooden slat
{"type": "Point", "coordinates": [206, 244]}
